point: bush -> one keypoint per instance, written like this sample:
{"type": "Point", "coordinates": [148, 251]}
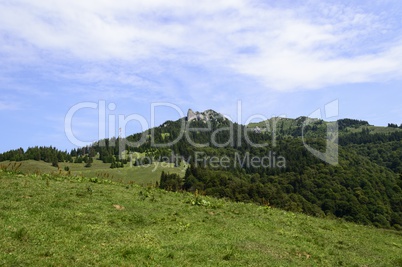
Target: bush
{"type": "Point", "coordinates": [55, 163]}
{"type": "Point", "coordinates": [171, 182]}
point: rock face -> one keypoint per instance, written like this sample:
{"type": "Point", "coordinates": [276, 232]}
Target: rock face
{"type": "Point", "coordinates": [257, 129]}
{"type": "Point", "coordinates": [191, 115]}
{"type": "Point", "coordinates": [203, 116]}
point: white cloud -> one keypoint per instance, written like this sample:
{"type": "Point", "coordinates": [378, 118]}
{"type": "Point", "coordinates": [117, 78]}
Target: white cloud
{"type": "Point", "coordinates": [285, 48]}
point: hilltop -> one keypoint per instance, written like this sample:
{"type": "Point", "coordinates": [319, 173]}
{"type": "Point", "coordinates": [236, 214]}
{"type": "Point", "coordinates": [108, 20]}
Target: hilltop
{"type": "Point", "coordinates": [204, 116]}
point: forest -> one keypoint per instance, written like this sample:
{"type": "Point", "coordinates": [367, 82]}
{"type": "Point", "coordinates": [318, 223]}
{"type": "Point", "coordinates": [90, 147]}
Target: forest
{"type": "Point", "coordinates": [365, 187]}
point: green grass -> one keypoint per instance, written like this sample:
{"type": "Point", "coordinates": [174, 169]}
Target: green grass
{"type": "Point", "coordinates": [374, 129]}
{"type": "Point", "coordinates": [273, 124]}
{"type": "Point", "coordinates": [143, 175]}
{"type": "Point", "coordinates": [50, 220]}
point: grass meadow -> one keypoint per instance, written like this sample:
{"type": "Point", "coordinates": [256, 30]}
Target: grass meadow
{"type": "Point", "coordinates": [56, 220]}
{"type": "Point", "coordinates": [142, 175]}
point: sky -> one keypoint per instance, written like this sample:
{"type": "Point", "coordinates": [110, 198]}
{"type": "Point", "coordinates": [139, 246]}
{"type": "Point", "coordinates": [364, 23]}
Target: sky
{"type": "Point", "coordinates": [72, 72]}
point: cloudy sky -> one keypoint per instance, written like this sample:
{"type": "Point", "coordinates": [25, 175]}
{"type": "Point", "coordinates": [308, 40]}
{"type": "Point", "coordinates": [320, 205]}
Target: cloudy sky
{"type": "Point", "coordinates": [94, 59]}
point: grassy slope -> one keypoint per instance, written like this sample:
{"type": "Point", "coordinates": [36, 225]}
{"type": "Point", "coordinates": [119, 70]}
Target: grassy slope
{"type": "Point", "coordinates": [143, 175]}
{"type": "Point", "coordinates": [374, 129]}
{"type": "Point", "coordinates": [289, 124]}
{"type": "Point", "coordinates": [60, 221]}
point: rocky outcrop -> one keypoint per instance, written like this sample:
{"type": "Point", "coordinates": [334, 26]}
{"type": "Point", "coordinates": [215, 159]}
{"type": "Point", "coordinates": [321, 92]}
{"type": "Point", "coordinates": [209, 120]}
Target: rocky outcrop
{"type": "Point", "coordinates": [257, 129]}
{"type": "Point", "coordinates": [203, 116]}
{"type": "Point", "coordinates": [191, 115]}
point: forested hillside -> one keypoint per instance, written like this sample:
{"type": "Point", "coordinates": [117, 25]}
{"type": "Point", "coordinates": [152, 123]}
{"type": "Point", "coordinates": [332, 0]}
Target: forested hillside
{"type": "Point", "coordinates": [265, 163]}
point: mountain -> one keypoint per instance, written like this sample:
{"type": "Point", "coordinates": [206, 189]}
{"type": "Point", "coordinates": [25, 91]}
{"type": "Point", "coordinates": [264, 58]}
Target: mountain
{"type": "Point", "coordinates": [358, 189]}
{"type": "Point", "coordinates": [270, 163]}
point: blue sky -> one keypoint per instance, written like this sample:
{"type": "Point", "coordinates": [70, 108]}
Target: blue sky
{"type": "Point", "coordinates": [288, 58]}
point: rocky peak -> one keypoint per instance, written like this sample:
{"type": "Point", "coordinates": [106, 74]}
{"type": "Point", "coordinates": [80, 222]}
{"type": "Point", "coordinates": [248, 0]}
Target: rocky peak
{"type": "Point", "coordinates": [205, 116]}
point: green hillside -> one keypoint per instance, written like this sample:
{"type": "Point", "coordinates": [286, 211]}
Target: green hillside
{"type": "Point", "coordinates": [52, 220]}
{"type": "Point", "coordinates": [142, 175]}
{"type": "Point", "coordinates": [365, 187]}
{"type": "Point", "coordinates": [292, 127]}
